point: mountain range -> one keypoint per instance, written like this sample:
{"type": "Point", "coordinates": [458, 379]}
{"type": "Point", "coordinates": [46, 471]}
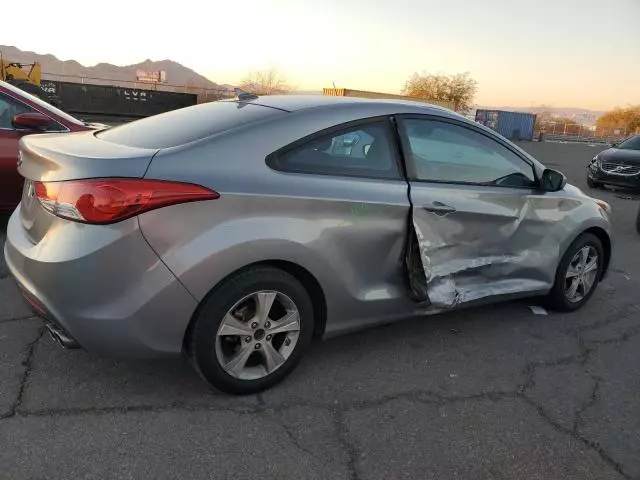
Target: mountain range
{"type": "Point", "coordinates": [72, 71]}
{"type": "Point", "coordinates": [180, 76]}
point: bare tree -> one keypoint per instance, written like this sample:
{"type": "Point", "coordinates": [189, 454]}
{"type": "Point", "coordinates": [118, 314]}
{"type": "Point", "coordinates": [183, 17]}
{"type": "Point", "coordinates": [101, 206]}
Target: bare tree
{"type": "Point", "coordinates": [459, 89]}
{"type": "Point", "coordinates": [265, 82]}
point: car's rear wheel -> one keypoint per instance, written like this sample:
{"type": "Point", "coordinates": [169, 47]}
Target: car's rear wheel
{"type": "Point", "coordinates": [592, 184]}
{"type": "Point", "coordinates": [578, 274]}
{"type": "Point", "coordinates": [252, 330]}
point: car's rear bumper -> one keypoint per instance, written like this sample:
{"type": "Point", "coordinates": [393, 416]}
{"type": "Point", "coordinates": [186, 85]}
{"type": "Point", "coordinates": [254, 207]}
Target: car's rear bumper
{"type": "Point", "coordinates": [101, 287]}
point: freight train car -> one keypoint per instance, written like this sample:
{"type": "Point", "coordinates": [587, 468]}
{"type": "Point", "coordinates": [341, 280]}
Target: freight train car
{"type": "Point", "coordinates": [83, 99]}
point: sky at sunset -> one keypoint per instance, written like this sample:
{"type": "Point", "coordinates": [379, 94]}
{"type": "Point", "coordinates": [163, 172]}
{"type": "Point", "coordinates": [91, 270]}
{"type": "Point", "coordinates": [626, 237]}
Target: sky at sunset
{"type": "Point", "coordinates": [570, 53]}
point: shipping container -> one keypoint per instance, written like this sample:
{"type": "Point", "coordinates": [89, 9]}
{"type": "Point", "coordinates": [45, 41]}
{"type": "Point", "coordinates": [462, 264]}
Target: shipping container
{"type": "Point", "coordinates": [86, 99]}
{"type": "Point", "coordinates": [511, 125]}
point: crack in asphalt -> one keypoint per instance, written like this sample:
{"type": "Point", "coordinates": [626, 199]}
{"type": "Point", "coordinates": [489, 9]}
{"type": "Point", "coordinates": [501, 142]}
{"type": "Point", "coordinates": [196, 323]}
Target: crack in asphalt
{"type": "Point", "coordinates": [339, 409]}
{"type": "Point", "coordinates": [617, 315]}
{"type": "Point", "coordinates": [341, 429]}
{"type": "Point", "coordinates": [604, 455]}
{"type": "Point", "coordinates": [342, 432]}
{"type": "Point", "coordinates": [282, 423]}
{"type": "Point", "coordinates": [25, 376]}
{"type": "Point", "coordinates": [581, 359]}
{"type": "Point", "coordinates": [629, 334]}
{"type": "Point", "coordinates": [125, 409]}
{"type": "Point", "coordinates": [591, 401]}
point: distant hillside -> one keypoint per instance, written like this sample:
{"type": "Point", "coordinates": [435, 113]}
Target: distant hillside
{"type": "Point", "coordinates": [56, 69]}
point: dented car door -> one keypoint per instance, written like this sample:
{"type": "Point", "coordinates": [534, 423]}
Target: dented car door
{"type": "Point", "coordinates": [473, 231]}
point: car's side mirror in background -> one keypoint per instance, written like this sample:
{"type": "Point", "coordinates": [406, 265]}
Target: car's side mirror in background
{"type": "Point", "coordinates": [31, 121]}
{"type": "Point", "coordinates": [552, 180]}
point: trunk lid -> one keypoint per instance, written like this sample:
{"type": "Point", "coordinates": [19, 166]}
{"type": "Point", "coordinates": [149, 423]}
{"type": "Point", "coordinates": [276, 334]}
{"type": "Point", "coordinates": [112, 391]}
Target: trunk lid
{"type": "Point", "coordinates": [55, 157]}
{"type": "Point", "coordinates": [74, 156]}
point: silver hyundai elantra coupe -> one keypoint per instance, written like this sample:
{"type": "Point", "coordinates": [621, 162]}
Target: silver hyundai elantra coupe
{"type": "Point", "coordinates": [236, 232]}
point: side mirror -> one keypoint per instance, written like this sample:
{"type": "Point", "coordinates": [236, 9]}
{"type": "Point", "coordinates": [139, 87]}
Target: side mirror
{"type": "Point", "coordinates": [31, 121]}
{"type": "Point", "coordinates": [552, 180]}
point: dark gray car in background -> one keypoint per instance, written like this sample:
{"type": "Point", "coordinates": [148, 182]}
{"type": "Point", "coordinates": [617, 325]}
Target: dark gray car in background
{"type": "Point", "coordinates": [238, 231]}
{"type": "Point", "coordinates": [616, 166]}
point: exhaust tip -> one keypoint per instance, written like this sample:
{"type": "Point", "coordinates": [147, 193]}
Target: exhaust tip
{"type": "Point", "coordinates": [62, 339]}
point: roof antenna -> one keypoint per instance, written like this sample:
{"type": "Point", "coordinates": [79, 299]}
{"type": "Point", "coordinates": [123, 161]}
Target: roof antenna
{"type": "Point", "coordinates": [242, 95]}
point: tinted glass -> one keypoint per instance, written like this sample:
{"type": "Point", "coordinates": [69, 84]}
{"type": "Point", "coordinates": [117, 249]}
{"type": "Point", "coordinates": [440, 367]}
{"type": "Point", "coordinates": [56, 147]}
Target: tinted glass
{"type": "Point", "coordinates": [186, 124]}
{"type": "Point", "coordinates": [632, 143]}
{"type": "Point", "coordinates": [8, 109]}
{"type": "Point", "coordinates": [361, 151]}
{"type": "Point", "coordinates": [45, 106]}
{"type": "Point", "coordinates": [444, 152]}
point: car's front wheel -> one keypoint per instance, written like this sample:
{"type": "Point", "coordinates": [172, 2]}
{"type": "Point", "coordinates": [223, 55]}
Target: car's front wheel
{"type": "Point", "coordinates": [578, 274]}
{"type": "Point", "coordinates": [252, 330]}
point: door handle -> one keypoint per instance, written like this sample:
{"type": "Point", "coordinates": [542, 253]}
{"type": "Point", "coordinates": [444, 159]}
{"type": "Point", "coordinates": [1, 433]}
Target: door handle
{"type": "Point", "coordinates": [439, 208]}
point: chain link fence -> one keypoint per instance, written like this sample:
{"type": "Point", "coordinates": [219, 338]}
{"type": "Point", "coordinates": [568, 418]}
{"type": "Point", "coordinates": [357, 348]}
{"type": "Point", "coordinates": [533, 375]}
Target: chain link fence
{"type": "Point", "coordinates": [584, 133]}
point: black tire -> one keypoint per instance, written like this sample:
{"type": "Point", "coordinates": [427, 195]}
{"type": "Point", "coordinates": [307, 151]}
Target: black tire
{"type": "Point", "coordinates": [592, 184]}
{"type": "Point", "coordinates": [201, 344]}
{"type": "Point", "coordinates": [557, 299]}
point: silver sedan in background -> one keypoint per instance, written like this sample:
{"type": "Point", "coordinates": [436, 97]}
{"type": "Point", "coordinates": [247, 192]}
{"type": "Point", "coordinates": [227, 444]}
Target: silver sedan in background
{"type": "Point", "coordinates": [236, 232]}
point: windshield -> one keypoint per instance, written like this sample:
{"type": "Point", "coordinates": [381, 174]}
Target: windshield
{"type": "Point", "coordinates": [41, 103]}
{"type": "Point", "coordinates": [632, 143]}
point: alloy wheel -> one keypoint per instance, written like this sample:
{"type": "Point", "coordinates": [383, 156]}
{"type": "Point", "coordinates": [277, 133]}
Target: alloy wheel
{"type": "Point", "coordinates": [257, 335]}
{"type": "Point", "coordinates": [581, 274]}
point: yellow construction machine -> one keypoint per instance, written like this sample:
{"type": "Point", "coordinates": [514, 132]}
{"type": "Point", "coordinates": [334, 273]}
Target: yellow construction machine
{"type": "Point", "coordinates": [26, 76]}
{"type": "Point", "coordinates": [14, 72]}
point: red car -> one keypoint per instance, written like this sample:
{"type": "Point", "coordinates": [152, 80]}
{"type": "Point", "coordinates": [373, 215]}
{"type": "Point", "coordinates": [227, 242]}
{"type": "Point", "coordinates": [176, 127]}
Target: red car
{"type": "Point", "coordinates": [23, 114]}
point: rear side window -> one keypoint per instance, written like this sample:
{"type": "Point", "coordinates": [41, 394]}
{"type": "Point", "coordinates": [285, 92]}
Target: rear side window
{"type": "Point", "coordinates": [365, 150]}
{"type": "Point", "coordinates": [186, 124]}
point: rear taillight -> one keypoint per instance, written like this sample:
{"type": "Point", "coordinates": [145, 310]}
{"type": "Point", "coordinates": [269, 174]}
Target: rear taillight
{"type": "Point", "coordinates": [109, 200]}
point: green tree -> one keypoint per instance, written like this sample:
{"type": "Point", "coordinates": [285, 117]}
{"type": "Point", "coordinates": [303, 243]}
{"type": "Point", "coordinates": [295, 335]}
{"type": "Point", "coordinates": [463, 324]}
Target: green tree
{"type": "Point", "coordinates": [459, 89]}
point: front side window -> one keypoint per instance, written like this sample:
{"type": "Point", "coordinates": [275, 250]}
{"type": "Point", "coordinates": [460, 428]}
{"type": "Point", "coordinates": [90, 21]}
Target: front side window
{"type": "Point", "coordinates": [445, 152]}
{"type": "Point", "coordinates": [8, 109]}
{"type": "Point", "coordinates": [362, 151]}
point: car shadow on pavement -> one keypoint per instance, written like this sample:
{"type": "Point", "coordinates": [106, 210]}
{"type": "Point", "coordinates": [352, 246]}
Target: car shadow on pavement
{"type": "Point", "coordinates": [465, 352]}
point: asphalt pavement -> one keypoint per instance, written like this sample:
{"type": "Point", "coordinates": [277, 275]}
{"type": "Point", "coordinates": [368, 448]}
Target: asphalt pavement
{"type": "Point", "coordinates": [490, 393]}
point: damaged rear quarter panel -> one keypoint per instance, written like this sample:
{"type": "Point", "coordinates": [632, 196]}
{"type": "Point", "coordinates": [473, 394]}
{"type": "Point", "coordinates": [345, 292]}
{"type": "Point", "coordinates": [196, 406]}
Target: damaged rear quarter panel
{"type": "Point", "coordinates": [497, 241]}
